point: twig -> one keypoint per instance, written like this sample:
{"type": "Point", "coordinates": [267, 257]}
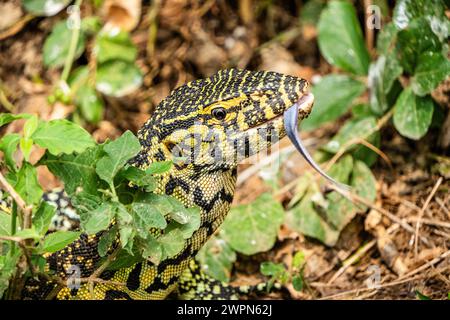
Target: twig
{"type": "Point", "coordinates": [26, 210]}
{"type": "Point", "coordinates": [446, 235]}
{"type": "Point", "coordinates": [20, 202]}
{"type": "Point", "coordinates": [349, 143]}
{"type": "Point", "coordinates": [358, 255]}
{"type": "Point", "coordinates": [4, 99]}
{"type": "Point", "coordinates": [16, 27]}
{"type": "Point", "coordinates": [99, 280]}
{"type": "Point", "coordinates": [11, 238]}
{"type": "Point", "coordinates": [153, 28]}
{"type": "Point", "coordinates": [431, 222]}
{"type": "Point", "coordinates": [246, 11]}
{"type": "Point", "coordinates": [443, 207]}
{"type": "Point", "coordinates": [369, 31]}
{"type": "Point", "coordinates": [424, 207]}
{"type": "Point", "coordinates": [427, 265]}
{"type": "Point", "coordinates": [347, 263]}
{"type": "Point", "coordinates": [96, 274]}
{"type": "Point", "coordinates": [400, 280]}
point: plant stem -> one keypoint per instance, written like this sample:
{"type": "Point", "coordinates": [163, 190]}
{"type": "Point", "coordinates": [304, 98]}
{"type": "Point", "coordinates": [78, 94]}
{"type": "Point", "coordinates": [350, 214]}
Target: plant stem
{"type": "Point", "coordinates": [72, 48]}
{"type": "Point", "coordinates": [13, 228]}
{"type": "Point", "coordinates": [4, 99]}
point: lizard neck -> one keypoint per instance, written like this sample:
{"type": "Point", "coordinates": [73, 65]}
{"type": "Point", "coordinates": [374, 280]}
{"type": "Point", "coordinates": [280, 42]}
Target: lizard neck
{"type": "Point", "coordinates": [211, 191]}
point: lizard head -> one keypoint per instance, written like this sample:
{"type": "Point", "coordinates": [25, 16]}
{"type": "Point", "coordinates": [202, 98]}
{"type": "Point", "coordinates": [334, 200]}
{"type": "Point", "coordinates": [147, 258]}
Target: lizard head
{"type": "Point", "coordinates": [214, 123]}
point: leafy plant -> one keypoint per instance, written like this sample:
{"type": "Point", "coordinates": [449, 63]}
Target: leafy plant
{"type": "Point", "coordinates": [112, 69]}
{"type": "Point", "coordinates": [278, 272]}
{"type": "Point", "coordinates": [411, 62]}
{"type": "Point", "coordinates": [102, 186]}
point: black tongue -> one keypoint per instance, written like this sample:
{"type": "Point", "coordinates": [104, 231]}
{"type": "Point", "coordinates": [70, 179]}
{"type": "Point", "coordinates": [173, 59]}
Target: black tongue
{"type": "Point", "coordinates": [290, 125]}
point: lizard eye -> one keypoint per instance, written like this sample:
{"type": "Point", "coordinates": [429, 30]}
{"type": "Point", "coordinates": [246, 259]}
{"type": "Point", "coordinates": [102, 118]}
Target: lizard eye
{"type": "Point", "coordinates": [219, 113]}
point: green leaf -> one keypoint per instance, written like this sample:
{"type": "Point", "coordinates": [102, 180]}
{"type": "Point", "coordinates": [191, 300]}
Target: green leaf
{"type": "Point", "coordinates": [151, 250]}
{"type": "Point", "coordinates": [30, 126]}
{"type": "Point", "coordinates": [124, 260]}
{"type": "Point", "coordinates": [415, 40]}
{"type": "Point", "coordinates": [98, 219]}
{"type": "Point", "coordinates": [62, 136]}
{"type": "Point", "coordinates": [271, 269]}
{"type": "Point", "coordinates": [310, 12]}
{"type": "Point", "coordinates": [122, 214]}
{"type": "Point", "coordinates": [361, 111]}
{"type": "Point", "coordinates": [89, 103]}
{"type": "Point", "coordinates": [354, 129]}
{"type": "Point", "coordinates": [45, 7]}
{"type": "Point", "coordinates": [56, 45]}
{"type": "Point", "coordinates": [172, 243]}
{"type": "Point", "coordinates": [298, 260]}
{"type": "Point", "coordinates": [342, 169]}
{"type": "Point", "coordinates": [127, 234]}
{"type": "Point", "coordinates": [413, 114]}
{"type": "Point", "coordinates": [58, 240]}
{"type": "Point", "coordinates": [159, 167]}
{"type": "Point", "coordinates": [382, 74]}
{"type": "Point", "coordinates": [28, 234]}
{"type": "Point", "coordinates": [386, 39]}
{"type": "Point", "coordinates": [25, 147]}
{"type": "Point", "coordinates": [297, 282]}
{"type": "Point", "coordinates": [253, 228]}
{"type": "Point", "coordinates": [118, 78]}
{"type": "Point", "coordinates": [216, 258]}
{"type": "Point", "coordinates": [84, 203]}
{"type": "Point", "coordinates": [78, 78]}
{"type": "Point", "coordinates": [8, 145]}
{"type": "Point", "coordinates": [76, 171]}
{"type": "Point", "coordinates": [5, 224]}
{"type": "Point", "coordinates": [43, 217]}
{"type": "Point", "coordinates": [27, 184]}
{"type": "Point", "coordinates": [115, 46]}
{"type": "Point", "coordinates": [333, 96]}
{"type": "Point", "coordinates": [189, 223]}
{"type": "Point", "coordinates": [7, 269]}
{"type": "Point", "coordinates": [432, 69]}
{"type": "Point", "coordinates": [407, 10]}
{"type": "Point", "coordinates": [118, 153]}
{"type": "Point", "coordinates": [147, 216]}
{"type": "Point", "coordinates": [107, 240]}
{"type": "Point", "coordinates": [6, 118]}
{"type": "Point", "coordinates": [421, 296]}
{"type": "Point", "coordinates": [305, 219]}
{"type": "Point", "coordinates": [363, 182]}
{"type": "Point", "coordinates": [340, 38]}
{"type": "Point", "coordinates": [139, 177]}
{"type": "Point", "coordinates": [91, 24]}
{"type": "Point", "coordinates": [340, 211]}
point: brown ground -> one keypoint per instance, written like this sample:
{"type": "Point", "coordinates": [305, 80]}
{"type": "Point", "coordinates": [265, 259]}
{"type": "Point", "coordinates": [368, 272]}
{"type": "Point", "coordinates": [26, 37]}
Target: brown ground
{"type": "Point", "coordinates": [194, 40]}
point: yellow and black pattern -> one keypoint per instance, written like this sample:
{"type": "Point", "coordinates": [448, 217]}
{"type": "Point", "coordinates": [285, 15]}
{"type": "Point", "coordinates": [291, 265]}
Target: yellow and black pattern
{"type": "Point", "coordinates": [206, 127]}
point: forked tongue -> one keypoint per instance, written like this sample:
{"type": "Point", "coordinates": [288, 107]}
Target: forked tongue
{"type": "Point", "coordinates": [290, 125]}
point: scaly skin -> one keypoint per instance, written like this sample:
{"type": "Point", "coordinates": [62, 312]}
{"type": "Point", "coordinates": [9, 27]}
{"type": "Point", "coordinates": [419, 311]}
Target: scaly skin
{"type": "Point", "coordinates": [213, 123]}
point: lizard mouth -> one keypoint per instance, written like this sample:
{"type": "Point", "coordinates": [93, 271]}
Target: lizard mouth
{"type": "Point", "coordinates": [290, 117]}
